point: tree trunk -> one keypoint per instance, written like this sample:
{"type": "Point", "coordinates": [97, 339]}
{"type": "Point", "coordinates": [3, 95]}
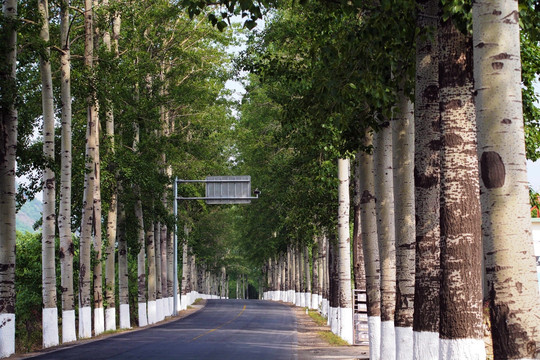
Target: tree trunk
{"type": "Point", "coordinates": [345, 304]}
{"type": "Point", "coordinates": [386, 235]}
{"type": "Point", "coordinates": [403, 164]}
{"type": "Point", "coordinates": [461, 327]}
{"type": "Point", "coordinates": [159, 272]}
{"type": "Point", "coordinates": [315, 276]}
{"type": "Point", "coordinates": [88, 216]}
{"type": "Point", "coordinates": [307, 277]}
{"type": "Point", "coordinates": [427, 164]}
{"type": "Point", "coordinates": [164, 281]}
{"type": "Point", "coordinates": [8, 144]}
{"type": "Point", "coordinates": [359, 271]}
{"type": "Point", "coordinates": [508, 249]}
{"type": "Point", "coordinates": [298, 274]}
{"type": "Point", "coordinates": [151, 255]}
{"type": "Point", "coordinates": [185, 271]}
{"type": "Point", "coordinates": [112, 213]}
{"type": "Point", "coordinates": [170, 271]}
{"type": "Point", "coordinates": [99, 314]}
{"type": "Point", "coordinates": [370, 247]}
{"type": "Point", "coordinates": [50, 311]}
{"type": "Point", "coordinates": [123, 275]}
{"type": "Point", "coordinates": [64, 217]}
{"type": "Point", "coordinates": [333, 299]}
{"type": "Point", "coordinates": [141, 261]}
{"type": "Point", "coordinates": [325, 280]}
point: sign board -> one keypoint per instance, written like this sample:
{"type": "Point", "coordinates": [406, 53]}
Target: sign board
{"type": "Point", "coordinates": [228, 189]}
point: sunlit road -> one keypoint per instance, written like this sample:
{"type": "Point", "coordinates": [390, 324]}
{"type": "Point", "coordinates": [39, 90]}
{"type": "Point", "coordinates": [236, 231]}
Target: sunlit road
{"type": "Point", "coordinates": [223, 329]}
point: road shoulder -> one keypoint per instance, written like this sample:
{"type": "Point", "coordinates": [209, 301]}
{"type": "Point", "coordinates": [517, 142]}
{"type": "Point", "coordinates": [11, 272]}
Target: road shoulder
{"type": "Point", "coordinates": [312, 346]}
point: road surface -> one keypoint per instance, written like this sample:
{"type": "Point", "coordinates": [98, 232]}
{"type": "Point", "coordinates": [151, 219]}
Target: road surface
{"type": "Point", "coordinates": [223, 329]}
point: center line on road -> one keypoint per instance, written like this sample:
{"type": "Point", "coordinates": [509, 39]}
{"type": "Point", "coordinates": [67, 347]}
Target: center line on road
{"type": "Point", "coordinates": [222, 325]}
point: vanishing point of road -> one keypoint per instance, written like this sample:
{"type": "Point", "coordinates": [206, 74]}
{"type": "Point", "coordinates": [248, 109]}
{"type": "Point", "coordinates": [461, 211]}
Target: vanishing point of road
{"type": "Point", "coordinates": [223, 329]}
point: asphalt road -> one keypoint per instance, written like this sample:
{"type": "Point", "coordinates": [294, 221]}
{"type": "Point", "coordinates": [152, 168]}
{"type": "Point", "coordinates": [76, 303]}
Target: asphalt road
{"type": "Point", "coordinates": [223, 329]}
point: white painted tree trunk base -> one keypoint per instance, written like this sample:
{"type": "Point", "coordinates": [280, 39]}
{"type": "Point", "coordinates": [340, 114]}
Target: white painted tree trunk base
{"type": "Point", "coordinates": [302, 299]}
{"type": "Point", "coordinates": [50, 327]}
{"type": "Point", "coordinates": [171, 305]}
{"type": "Point", "coordinates": [333, 317]}
{"type": "Point", "coordinates": [425, 345]}
{"type": "Point", "coordinates": [125, 321]}
{"type": "Point", "coordinates": [143, 320]}
{"type": "Point", "coordinates": [152, 313]}
{"type": "Point", "coordinates": [374, 329]}
{"type": "Point", "coordinates": [85, 322]}
{"type": "Point", "coordinates": [308, 300]}
{"type": "Point", "coordinates": [297, 298]}
{"type": "Point", "coordinates": [183, 303]}
{"type": "Point", "coordinates": [462, 349]}
{"type": "Point", "coordinates": [314, 302]}
{"type": "Point", "coordinates": [110, 319]}
{"type": "Point", "coordinates": [159, 310]}
{"type": "Point", "coordinates": [99, 321]}
{"type": "Point", "coordinates": [404, 343]}
{"type": "Point", "coordinates": [324, 307]}
{"type": "Point", "coordinates": [388, 340]}
{"type": "Point", "coordinates": [7, 335]}
{"type": "Point", "coordinates": [346, 324]}
{"type": "Point", "coordinates": [68, 326]}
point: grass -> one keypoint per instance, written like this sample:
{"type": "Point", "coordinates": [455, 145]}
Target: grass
{"type": "Point", "coordinates": [332, 339]}
{"type": "Point", "coordinates": [197, 301]}
{"type": "Point", "coordinates": [326, 335]}
{"type": "Point", "coordinates": [314, 314]}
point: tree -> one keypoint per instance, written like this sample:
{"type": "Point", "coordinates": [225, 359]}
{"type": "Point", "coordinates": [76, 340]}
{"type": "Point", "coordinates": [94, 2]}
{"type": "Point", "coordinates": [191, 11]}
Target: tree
{"type": "Point", "coordinates": [461, 332]}
{"type": "Point", "coordinates": [382, 155]}
{"type": "Point", "coordinates": [50, 311]}
{"type": "Point", "coordinates": [66, 249]}
{"type": "Point", "coordinates": [344, 245]}
{"type": "Point", "coordinates": [427, 164]}
{"type": "Point", "coordinates": [403, 166]}
{"type": "Point", "coordinates": [88, 216]}
{"type": "Point", "coordinates": [370, 245]}
{"type": "Point", "coordinates": [506, 226]}
{"type": "Point", "coordinates": [8, 143]}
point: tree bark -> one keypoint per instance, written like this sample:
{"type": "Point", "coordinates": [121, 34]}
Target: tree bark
{"type": "Point", "coordinates": [370, 247]}
{"type": "Point", "coordinates": [164, 280]}
{"type": "Point", "coordinates": [159, 298]}
{"type": "Point", "coordinates": [123, 274]}
{"type": "Point", "coordinates": [141, 262]}
{"type": "Point", "coordinates": [112, 213]}
{"type": "Point", "coordinates": [403, 164]}
{"type": "Point", "coordinates": [307, 277]}
{"type": "Point", "coordinates": [152, 283]}
{"type": "Point", "coordinates": [50, 311]}
{"type": "Point", "coordinates": [506, 224]}
{"type": "Point", "coordinates": [461, 327]}
{"type": "Point", "coordinates": [358, 253]}
{"type": "Point", "coordinates": [427, 165]}
{"type": "Point", "coordinates": [386, 235]}
{"type": "Point", "coordinates": [67, 249]}
{"type": "Point", "coordinates": [88, 215]}
{"type": "Point", "coordinates": [8, 144]}
{"type": "Point", "coordinates": [345, 304]}
{"type": "Point", "coordinates": [315, 276]}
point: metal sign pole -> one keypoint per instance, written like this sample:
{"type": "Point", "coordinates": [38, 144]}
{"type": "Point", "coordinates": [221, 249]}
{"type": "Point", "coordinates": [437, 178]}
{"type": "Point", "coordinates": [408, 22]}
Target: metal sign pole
{"type": "Point", "coordinates": [175, 247]}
